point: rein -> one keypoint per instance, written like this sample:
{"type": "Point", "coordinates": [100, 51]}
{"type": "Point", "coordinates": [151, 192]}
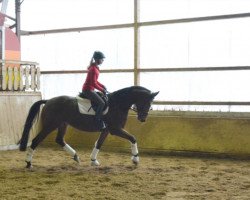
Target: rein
{"type": "Point", "coordinates": [134, 108]}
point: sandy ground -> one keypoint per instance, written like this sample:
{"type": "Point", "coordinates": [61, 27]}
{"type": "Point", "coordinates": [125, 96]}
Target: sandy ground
{"type": "Point", "coordinates": [56, 176]}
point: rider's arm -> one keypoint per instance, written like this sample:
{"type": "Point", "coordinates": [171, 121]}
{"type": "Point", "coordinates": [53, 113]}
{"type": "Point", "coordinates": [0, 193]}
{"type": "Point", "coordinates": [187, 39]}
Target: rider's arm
{"type": "Point", "coordinates": [95, 83]}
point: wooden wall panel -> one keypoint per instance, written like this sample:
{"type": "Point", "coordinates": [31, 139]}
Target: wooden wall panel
{"type": "Point", "coordinates": [14, 107]}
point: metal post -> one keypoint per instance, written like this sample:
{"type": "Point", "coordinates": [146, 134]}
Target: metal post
{"type": "Point", "coordinates": [136, 43]}
{"type": "Point", "coordinates": [18, 11]}
{"type": "Point", "coordinates": [2, 54]}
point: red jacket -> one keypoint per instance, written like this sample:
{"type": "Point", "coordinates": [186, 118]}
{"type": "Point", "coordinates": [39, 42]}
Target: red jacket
{"type": "Point", "coordinates": [91, 81]}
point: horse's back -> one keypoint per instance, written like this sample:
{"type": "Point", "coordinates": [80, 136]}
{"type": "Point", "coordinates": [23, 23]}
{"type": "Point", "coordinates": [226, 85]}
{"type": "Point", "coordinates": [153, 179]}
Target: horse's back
{"type": "Point", "coordinates": [61, 105]}
{"type": "Point", "coordinates": [64, 109]}
{"type": "Point", "coordinates": [61, 99]}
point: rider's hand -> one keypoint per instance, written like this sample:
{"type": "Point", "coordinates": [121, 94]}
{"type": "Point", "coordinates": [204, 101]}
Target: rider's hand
{"type": "Point", "coordinates": [105, 92]}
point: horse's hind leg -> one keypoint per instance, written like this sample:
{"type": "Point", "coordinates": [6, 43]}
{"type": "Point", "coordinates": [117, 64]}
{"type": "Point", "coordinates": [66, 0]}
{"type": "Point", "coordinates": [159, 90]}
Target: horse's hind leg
{"type": "Point", "coordinates": [37, 140]}
{"type": "Point", "coordinates": [60, 140]}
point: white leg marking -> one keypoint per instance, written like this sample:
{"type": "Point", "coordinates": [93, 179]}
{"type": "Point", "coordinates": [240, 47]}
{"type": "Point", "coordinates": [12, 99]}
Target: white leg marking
{"type": "Point", "coordinates": [29, 154]}
{"type": "Point", "coordinates": [70, 150]}
{"type": "Point", "coordinates": [94, 153]}
{"type": "Point", "coordinates": [93, 156]}
{"type": "Point", "coordinates": [134, 150]}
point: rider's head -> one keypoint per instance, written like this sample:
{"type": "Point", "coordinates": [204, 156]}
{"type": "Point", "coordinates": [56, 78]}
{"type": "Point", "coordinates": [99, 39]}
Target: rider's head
{"type": "Point", "coordinates": [98, 56]}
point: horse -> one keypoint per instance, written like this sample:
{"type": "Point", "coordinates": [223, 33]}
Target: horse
{"type": "Point", "coordinates": [61, 111]}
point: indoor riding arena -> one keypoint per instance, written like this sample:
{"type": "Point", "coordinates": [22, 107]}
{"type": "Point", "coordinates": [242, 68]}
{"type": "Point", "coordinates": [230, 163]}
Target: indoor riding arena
{"type": "Point", "coordinates": [125, 99]}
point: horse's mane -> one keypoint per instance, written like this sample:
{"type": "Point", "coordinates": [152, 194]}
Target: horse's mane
{"type": "Point", "coordinates": [127, 90]}
{"type": "Point", "coordinates": [122, 96]}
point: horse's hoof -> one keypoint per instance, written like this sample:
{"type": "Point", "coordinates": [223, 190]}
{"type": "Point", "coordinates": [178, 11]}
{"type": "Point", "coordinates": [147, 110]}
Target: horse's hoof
{"type": "Point", "coordinates": [29, 165]}
{"type": "Point", "coordinates": [76, 158]}
{"type": "Point", "coordinates": [135, 159]}
{"type": "Point", "coordinates": [95, 163]}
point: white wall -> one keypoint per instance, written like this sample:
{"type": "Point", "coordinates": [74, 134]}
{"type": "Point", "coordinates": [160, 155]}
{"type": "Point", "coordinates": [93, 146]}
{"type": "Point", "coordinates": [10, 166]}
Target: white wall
{"type": "Point", "coordinates": [14, 108]}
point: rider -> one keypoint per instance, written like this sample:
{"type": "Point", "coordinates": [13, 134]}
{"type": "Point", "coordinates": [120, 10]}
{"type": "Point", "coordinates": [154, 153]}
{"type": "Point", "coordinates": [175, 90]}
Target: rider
{"type": "Point", "coordinates": [91, 83]}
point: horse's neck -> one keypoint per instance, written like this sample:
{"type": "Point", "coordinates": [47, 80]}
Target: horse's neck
{"type": "Point", "coordinates": [125, 101]}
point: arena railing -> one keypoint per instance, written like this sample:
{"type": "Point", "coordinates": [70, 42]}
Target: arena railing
{"type": "Point", "coordinates": [19, 75]}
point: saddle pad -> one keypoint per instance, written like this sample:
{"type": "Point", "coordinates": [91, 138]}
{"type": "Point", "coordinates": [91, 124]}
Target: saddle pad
{"type": "Point", "coordinates": [85, 107]}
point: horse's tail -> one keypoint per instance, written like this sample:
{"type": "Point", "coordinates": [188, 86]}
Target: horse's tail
{"type": "Point", "coordinates": [33, 112]}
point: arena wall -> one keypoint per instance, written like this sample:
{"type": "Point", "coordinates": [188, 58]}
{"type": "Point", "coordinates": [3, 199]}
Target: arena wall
{"type": "Point", "coordinates": [225, 134]}
{"type": "Point", "coordinates": [14, 107]}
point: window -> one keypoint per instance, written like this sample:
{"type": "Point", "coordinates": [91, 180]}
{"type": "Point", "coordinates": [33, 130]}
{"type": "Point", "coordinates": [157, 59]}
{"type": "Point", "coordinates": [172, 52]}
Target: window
{"type": "Point", "coordinates": [153, 10]}
{"type": "Point", "coordinates": [197, 44]}
{"type": "Point", "coordinates": [210, 43]}
{"type": "Point", "coordinates": [73, 51]}
{"type": "Point", "coordinates": [54, 14]}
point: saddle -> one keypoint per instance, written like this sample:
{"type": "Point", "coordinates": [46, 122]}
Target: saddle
{"type": "Point", "coordinates": [88, 107]}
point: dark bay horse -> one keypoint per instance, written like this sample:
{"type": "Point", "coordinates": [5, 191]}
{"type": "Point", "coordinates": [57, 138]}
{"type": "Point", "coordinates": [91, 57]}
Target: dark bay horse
{"type": "Point", "coordinates": [61, 111]}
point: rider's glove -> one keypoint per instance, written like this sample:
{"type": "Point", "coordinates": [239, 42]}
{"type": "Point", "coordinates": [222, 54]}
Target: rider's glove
{"type": "Point", "coordinates": [105, 92]}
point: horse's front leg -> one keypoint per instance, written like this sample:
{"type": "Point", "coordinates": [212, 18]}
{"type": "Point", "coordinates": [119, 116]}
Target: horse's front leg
{"type": "Point", "coordinates": [134, 149]}
{"type": "Point", "coordinates": [96, 149]}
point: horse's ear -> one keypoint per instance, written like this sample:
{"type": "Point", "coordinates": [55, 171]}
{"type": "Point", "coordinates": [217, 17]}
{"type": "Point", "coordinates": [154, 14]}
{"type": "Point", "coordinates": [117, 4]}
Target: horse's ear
{"type": "Point", "coordinates": [154, 94]}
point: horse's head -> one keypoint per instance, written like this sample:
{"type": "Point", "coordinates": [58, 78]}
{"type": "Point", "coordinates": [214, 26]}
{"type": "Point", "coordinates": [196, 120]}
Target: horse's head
{"type": "Point", "coordinates": [138, 97]}
{"type": "Point", "coordinates": [143, 105]}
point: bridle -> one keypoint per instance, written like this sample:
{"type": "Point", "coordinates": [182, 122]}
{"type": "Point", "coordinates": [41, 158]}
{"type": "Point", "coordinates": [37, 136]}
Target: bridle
{"type": "Point", "coordinates": [134, 108]}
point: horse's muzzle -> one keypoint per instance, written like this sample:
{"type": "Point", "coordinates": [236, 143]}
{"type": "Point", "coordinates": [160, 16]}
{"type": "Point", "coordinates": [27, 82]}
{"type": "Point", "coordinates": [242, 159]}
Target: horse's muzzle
{"type": "Point", "coordinates": [141, 118]}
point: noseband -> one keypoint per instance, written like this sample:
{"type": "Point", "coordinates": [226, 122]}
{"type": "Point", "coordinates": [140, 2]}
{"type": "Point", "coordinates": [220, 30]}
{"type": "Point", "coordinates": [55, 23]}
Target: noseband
{"type": "Point", "coordinates": [140, 114]}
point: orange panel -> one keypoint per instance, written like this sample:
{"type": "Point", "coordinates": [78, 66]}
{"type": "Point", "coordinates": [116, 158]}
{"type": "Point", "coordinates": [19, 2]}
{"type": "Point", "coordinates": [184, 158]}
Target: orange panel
{"type": "Point", "coordinates": [12, 55]}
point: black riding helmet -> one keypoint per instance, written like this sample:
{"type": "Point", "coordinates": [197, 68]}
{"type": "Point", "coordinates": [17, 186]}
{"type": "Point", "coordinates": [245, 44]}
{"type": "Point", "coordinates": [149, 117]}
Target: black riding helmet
{"type": "Point", "coordinates": [98, 55]}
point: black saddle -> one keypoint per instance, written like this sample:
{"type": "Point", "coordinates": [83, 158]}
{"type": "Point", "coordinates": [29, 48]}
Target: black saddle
{"type": "Point", "coordinates": [93, 104]}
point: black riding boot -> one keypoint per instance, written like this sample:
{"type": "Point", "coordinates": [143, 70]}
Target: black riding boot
{"type": "Point", "coordinates": [98, 118]}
